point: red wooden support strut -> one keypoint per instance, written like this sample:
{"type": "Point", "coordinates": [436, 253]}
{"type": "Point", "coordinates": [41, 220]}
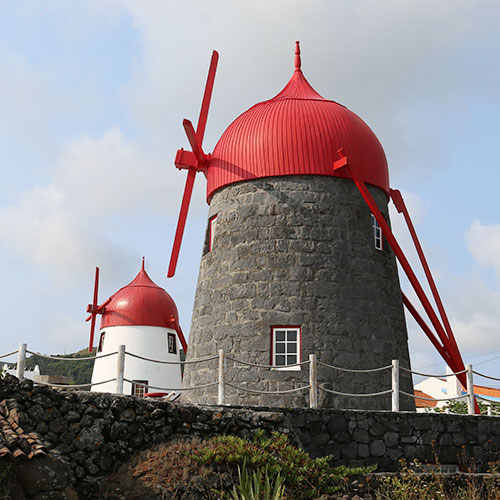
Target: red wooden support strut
{"type": "Point", "coordinates": [427, 330]}
{"type": "Point", "coordinates": [453, 353]}
{"type": "Point", "coordinates": [400, 205]}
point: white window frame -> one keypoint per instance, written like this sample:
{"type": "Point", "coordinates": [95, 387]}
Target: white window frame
{"type": "Point", "coordinates": [100, 345]}
{"type": "Point", "coordinates": [212, 225]}
{"type": "Point", "coordinates": [378, 239]}
{"type": "Point", "coordinates": [172, 343]}
{"type": "Point", "coordinates": [139, 390]}
{"type": "Point", "coordinates": [277, 344]}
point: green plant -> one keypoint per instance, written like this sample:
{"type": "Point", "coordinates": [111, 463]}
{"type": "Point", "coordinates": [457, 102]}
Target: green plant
{"type": "Point", "coordinates": [304, 477]}
{"type": "Point", "coordinates": [258, 485]}
{"type": "Point", "coordinates": [411, 485]}
{"type": "Point", "coordinates": [460, 407]}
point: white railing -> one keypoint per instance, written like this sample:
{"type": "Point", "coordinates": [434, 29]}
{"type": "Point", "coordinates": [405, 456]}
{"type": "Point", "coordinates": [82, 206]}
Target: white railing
{"type": "Point", "coordinates": [312, 387]}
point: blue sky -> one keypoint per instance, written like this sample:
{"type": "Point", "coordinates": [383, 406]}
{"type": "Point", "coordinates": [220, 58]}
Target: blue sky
{"type": "Point", "coordinates": [93, 94]}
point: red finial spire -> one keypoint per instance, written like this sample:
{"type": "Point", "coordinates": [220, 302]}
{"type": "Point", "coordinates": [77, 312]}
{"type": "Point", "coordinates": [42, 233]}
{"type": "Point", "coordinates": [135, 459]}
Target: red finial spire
{"type": "Point", "coordinates": [297, 56]}
{"type": "Point", "coordinates": [142, 267]}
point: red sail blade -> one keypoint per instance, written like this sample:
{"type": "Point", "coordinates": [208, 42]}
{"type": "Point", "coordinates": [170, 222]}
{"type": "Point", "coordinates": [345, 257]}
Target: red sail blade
{"type": "Point", "coordinates": [207, 96]}
{"type": "Point", "coordinates": [181, 222]}
{"type": "Point", "coordinates": [92, 328]}
{"type": "Point", "coordinates": [94, 309]}
{"type": "Point", "coordinates": [195, 142]}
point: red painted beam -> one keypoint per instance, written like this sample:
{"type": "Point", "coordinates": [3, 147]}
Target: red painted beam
{"type": "Point", "coordinates": [400, 205]}
{"type": "Point", "coordinates": [425, 327]}
{"type": "Point", "coordinates": [94, 309]}
{"type": "Point", "coordinates": [181, 223]}
{"type": "Point", "coordinates": [194, 161]}
{"type": "Point", "coordinates": [207, 96]}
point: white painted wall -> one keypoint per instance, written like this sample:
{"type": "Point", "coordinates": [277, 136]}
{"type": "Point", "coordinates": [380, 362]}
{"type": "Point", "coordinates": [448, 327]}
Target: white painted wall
{"type": "Point", "coordinates": [29, 374]}
{"type": "Point", "coordinates": [147, 341]}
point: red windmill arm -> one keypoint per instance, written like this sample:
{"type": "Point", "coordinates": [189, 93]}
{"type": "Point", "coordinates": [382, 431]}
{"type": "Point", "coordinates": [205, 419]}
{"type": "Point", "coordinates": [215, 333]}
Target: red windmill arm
{"type": "Point", "coordinates": [93, 309]}
{"type": "Point", "coordinates": [185, 160]}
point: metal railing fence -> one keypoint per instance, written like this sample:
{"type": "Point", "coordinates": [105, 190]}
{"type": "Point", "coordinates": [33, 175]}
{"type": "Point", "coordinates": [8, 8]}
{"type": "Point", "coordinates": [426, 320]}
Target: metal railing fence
{"type": "Point", "coordinates": [313, 387]}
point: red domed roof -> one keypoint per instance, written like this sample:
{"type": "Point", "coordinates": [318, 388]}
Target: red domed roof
{"type": "Point", "coordinates": [141, 302]}
{"type": "Point", "coordinates": [295, 133]}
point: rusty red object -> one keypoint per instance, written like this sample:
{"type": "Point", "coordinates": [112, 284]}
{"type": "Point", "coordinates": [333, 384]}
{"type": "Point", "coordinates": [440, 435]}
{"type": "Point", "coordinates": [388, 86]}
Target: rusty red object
{"type": "Point", "coordinates": [297, 132]}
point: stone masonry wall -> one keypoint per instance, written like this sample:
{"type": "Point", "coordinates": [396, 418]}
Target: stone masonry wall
{"type": "Point", "coordinates": [95, 432]}
{"type": "Point", "coordinates": [297, 250]}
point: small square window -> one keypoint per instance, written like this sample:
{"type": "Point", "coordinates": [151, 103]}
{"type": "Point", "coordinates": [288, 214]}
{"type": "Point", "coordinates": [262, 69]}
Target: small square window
{"type": "Point", "coordinates": [285, 347]}
{"type": "Point", "coordinates": [280, 360]}
{"type": "Point", "coordinates": [172, 343]}
{"type": "Point", "coordinates": [139, 388]}
{"type": "Point", "coordinates": [280, 347]}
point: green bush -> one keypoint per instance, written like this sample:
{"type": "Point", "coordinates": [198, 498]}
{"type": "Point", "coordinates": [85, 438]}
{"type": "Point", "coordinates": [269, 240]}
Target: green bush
{"type": "Point", "coordinates": [304, 477]}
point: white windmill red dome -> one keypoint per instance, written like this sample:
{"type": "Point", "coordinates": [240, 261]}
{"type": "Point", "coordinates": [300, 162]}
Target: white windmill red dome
{"type": "Point", "coordinates": [140, 303]}
{"type": "Point", "coordinates": [297, 132]}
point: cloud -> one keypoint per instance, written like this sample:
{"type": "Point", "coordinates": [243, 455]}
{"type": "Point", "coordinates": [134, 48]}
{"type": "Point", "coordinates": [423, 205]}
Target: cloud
{"type": "Point", "coordinates": [113, 175]}
{"type": "Point", "coordinates": [483, 242]}
{"type": "Point", "coordinates": [407, 69]}
{"type": "Point", "coordinates": [43, 231]}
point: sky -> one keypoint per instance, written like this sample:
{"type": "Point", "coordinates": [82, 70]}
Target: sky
{"type": "Point", "coordinates": [92, 98]}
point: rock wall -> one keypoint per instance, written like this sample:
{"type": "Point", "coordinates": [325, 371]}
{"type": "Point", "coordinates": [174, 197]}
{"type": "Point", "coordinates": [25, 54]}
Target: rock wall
{"type": "Point", "coordinates": [94, 433]}
{"type": "Point", "coordinates": [297, 251]}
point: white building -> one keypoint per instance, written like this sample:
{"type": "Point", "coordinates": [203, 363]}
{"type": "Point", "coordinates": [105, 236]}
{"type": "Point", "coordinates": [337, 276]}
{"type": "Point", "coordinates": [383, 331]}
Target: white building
{"type": "Point", "coordinates": [29, 374]}
{"type": "Point", "coordinates": [448, 387]}
{"type": "Point", "coordinates": [143, 317]}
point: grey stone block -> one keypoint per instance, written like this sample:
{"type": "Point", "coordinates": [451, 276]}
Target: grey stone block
{"type": "Point", "coordinates": [377, 448]}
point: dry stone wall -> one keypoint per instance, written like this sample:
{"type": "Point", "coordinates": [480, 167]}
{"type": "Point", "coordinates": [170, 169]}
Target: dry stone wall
{"type": "Point", "coordinates": [94, 433]}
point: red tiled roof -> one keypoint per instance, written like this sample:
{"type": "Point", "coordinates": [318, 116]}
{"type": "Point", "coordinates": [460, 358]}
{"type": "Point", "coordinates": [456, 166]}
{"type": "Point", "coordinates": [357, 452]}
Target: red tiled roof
{"type": "Point", "coordinates": [14, 442]}
{"type": "Point", "coordinates": [423, 403]}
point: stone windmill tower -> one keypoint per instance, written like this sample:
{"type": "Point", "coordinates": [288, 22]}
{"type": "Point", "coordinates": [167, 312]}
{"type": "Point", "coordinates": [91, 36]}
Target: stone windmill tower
{"type": "Point", "coordinates": [294, 261]}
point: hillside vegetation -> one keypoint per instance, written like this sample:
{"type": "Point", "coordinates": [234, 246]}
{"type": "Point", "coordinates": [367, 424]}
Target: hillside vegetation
{"type": "Point", "coordinates": [78, 372]}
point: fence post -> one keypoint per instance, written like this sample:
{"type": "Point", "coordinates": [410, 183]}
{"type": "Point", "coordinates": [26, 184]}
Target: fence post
{"type": "Point", "coordinates": [222, 382]}
{"type": "Point", "coordinates": [395, 385]}
{"type": "Point", "coordinates": [313, 381]}
{"type": "Point", "coordinates": [21, 361]}
{"type": "Point", "coordinates": [120, 369]}
{"type": "Point", "coordinates": [470, 390]}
